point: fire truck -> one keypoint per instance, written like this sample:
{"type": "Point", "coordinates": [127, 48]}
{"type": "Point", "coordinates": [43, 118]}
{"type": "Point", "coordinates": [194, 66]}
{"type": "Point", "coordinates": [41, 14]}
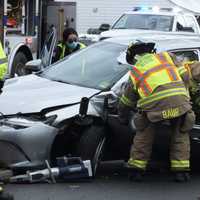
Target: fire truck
{"type": "Point", "coordinates": [25, 27]}
{"type": "Point", "coordinates": [19, 32]}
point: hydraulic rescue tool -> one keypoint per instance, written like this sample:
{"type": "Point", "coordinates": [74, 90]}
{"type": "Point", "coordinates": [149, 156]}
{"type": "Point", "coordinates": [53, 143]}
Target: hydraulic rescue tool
{"type": "Point", "coordinates": [68, 169]}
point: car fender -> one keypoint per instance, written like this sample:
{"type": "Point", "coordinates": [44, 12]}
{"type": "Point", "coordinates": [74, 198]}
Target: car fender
{"type": "Point", "coordinates": [33, 143]}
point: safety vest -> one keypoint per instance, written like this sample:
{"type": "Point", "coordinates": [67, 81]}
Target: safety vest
{"type": "Point", "coordinates": [63, 47]}
{"type": "Point", "coordinates": [3, 63]}
{"type": "Point", "coordinates": [152, 71]}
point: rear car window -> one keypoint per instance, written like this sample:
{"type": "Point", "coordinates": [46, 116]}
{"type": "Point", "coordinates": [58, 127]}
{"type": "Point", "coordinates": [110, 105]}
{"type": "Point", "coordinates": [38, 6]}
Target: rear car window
{"type": "Point", "coordinates": [186, 55]}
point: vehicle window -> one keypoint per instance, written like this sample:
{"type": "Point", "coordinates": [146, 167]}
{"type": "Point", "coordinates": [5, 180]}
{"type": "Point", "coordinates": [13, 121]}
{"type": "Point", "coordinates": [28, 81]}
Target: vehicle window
{"type": "Point", "coordinates": [94, 67]}
{"type": "Point", "coordinates": [184, 56]}
{"type": "Point", "coordinates": [121, 23]}
{"type": "Point", "coordinates": [180, 23]}
{"type": "Point", "coordinates": [144, 21]}
{"type": "Point", "coordinates": [45, 54]}
{"type": "Point", "coordinates": [191, 23]}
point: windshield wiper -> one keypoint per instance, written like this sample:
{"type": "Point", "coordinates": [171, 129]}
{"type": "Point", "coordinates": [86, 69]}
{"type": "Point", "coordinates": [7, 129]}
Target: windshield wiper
{"type": "Point", "coordinates": [120, 28]}
{"type": "Point", "coordinates": [60, 81]}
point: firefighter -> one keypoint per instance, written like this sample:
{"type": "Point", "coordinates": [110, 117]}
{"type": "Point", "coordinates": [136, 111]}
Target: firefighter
{"type": "Point", "coordinates": [3, 66]}
{"type": "Point", "coordinates": [68, 45]}
{"type": "Point", "coordinates": [156, 88]}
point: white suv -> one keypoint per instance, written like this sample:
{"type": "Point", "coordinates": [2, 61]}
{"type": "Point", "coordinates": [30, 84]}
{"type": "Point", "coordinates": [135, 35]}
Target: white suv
{"type": "Point", "coordinates": [154, 19]}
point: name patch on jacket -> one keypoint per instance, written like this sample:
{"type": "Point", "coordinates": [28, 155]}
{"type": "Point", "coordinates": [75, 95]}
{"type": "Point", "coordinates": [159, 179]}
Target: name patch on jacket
{"type": "Point", "coordinates": [170, 113]}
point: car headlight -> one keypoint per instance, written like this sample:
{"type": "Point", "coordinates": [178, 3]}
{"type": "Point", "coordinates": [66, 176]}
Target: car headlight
{"type": "Point", "coordinates": [24, 122]}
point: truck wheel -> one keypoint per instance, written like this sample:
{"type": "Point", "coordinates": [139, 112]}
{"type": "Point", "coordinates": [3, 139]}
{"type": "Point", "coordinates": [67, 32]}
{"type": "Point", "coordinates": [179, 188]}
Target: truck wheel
{"type": "Point", "coordinates": [18, 66]}
{"type": "Point", "coordinates": [92, 145]}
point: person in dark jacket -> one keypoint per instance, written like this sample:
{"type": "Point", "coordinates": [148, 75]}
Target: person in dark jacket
{"type": "Point", "coordinates": [68, 45]}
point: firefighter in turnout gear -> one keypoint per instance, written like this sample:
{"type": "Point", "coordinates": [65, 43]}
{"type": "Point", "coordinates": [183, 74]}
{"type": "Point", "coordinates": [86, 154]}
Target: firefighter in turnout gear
{"type": "Point", "coordinates": [156, 87]}
{"type": "Point", "coordinates": [69, 44]}
{"type": "Point", "coordinates": [3, 66]}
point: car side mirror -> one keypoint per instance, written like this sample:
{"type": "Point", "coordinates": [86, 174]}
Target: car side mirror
{"type": "Point", "coordinates": [34, 65]}
{"type": "Point", "coordinates": [104, 27]}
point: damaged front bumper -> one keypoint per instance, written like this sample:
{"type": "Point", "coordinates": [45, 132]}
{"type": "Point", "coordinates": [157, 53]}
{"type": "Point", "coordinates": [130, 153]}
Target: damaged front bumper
{"type": "Point", "coordinates": [24, 143]}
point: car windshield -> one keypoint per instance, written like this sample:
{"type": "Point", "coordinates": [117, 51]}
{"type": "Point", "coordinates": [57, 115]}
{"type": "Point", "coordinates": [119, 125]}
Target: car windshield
{"type": "Point", "coordinates": [94, 67]}
{"type": "Point", "coordinates": [144, 21]}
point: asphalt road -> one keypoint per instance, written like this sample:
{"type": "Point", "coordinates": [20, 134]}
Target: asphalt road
{"type": "Point", "coordinates": [108, 187]}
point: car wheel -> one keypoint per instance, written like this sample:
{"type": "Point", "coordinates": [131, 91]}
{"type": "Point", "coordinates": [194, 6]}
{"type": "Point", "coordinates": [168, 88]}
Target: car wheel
{"type": "Point", "coordinates": [92, 145]}
{"type": "Point", "coordinates": [18, 66]}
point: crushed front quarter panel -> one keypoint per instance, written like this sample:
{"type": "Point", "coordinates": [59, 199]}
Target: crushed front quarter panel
{"type": "Point", "coordinates": [31, 143]}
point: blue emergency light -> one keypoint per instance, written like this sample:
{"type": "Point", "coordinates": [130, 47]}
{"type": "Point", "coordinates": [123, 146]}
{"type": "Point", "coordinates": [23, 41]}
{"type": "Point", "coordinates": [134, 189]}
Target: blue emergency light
{"type": "Point", "coordinates": [142, 8]}
{"type": "Point", "coordinates": [154, 8]}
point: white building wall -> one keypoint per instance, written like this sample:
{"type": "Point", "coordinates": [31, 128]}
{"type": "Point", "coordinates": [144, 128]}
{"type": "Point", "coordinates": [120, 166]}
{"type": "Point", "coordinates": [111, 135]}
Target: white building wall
{"type": "Point", "coordinates": [92, 13]}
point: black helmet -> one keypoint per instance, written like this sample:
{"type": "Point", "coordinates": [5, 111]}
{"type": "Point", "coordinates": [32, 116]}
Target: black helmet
{"type": "Point", "coordinates": [138, 48]}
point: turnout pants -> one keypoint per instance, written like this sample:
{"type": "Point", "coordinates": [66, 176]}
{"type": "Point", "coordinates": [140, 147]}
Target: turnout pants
{"type": "Point", "coordinates": [179, 147]}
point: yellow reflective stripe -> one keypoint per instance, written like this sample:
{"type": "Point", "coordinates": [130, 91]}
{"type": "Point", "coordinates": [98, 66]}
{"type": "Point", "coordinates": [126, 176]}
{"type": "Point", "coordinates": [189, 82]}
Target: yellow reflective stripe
{"type": "Point", "coordinates": [168, 57]}
{"type": "Point", "coordinates": [161, 95]}
{"type": "Point", "coordinates": [62, 55]}
{"type": "Point", "coordinates": [126, 101]}
{"type": "Point", "coordinates": [82, 45]}
{"type": "Point", "coordinates": [181, 70]}
{"type": "Point", "coordinates": [137, 163]}
{"type": "Point", "coordinates": [187, 67]}
{"type": "Point", "coordinates": [180, 163]}
{"type": "Point", "coordinates": [3, 70]}
{"type": "Point", "coordinates": [2, 53]}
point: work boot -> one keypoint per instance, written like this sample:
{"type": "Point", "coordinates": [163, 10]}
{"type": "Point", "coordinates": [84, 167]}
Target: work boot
{"type": "Point", "coordinates": [136, 176]}
{"type": "Point", "coordinates": [181, 177]}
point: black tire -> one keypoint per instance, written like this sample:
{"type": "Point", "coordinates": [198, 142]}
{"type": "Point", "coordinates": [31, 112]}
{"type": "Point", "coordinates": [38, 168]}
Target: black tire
{"type": "Point", "coordinates": [18, 66]}
{"type": "Point", "coordinates": [92, 145]}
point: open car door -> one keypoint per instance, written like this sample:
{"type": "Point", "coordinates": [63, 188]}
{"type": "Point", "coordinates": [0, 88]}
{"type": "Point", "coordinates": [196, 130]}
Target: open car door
{"type": "Point", "coordinates": [48, 48]}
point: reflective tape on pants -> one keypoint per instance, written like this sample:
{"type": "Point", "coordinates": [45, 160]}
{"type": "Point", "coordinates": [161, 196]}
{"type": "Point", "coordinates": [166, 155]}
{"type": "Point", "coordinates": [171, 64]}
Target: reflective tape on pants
{"type": "Point", "coordinates": [141, 164]}
{"type": "Point", "coordinates": [180, 164]}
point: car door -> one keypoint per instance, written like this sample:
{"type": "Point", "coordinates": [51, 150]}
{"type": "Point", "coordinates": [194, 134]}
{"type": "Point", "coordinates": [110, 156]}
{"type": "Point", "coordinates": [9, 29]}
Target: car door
{"type": "Point", "coordinates": [48, 48]}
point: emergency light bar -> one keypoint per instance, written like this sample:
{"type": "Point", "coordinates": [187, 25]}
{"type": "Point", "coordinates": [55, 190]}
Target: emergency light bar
{"type": "Point", "coordinates": [155, 9]}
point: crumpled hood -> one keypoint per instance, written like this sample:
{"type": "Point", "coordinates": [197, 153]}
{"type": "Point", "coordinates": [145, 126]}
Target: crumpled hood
{"type": "Point", "coordinates": [32, 93]}
{"type": "Point", "coordinates": [127, 32]}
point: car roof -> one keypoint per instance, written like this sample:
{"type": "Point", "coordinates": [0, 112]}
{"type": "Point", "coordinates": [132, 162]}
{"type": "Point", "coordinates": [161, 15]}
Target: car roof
{"type": "Point", "coordinates": [164, 41]}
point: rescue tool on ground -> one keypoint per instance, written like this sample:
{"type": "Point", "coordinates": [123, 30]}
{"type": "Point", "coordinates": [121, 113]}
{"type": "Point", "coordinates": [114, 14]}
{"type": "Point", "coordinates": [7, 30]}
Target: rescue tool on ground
{"type": "Point", "coordinates": [67, 169]}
